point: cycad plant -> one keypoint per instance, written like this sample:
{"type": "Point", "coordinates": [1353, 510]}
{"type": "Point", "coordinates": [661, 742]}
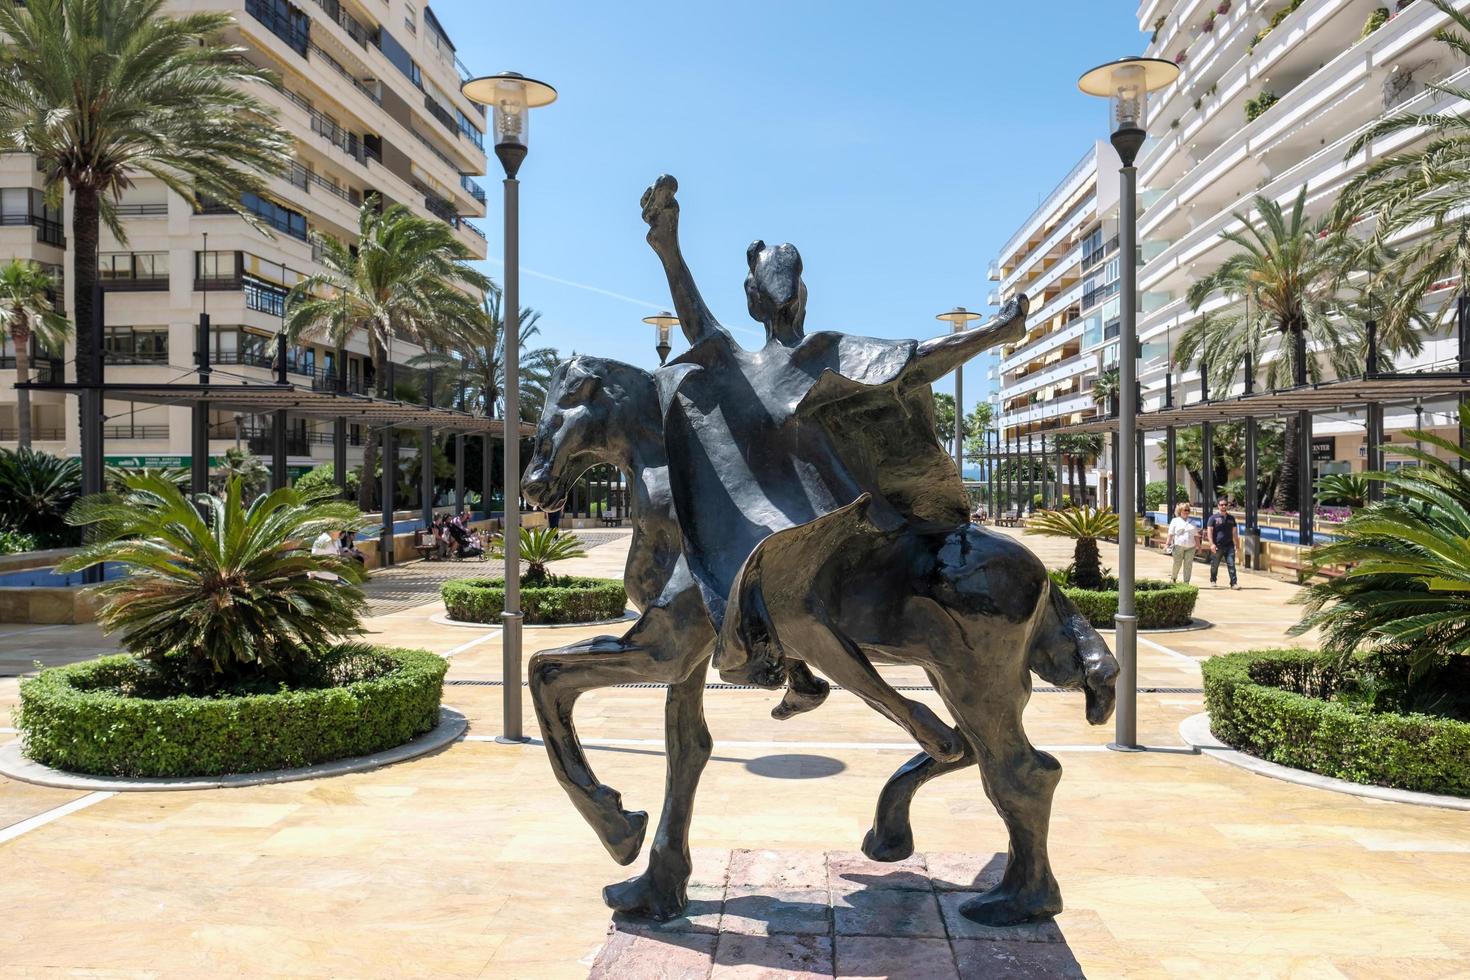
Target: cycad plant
{"type": "Point", "coordinates": [26, 312]}
{"type": "Point", "coordinates": [1085, 525]}
{"type": "Point", "coordinates": [1288, 274]}
{"type": "Point", "coordinates": [1404, 598]}
{"type": "Point", "coordinates": [403, 276]}
{"type": "Point", "coordinates": [540, 546]}
{"type": "Point", "coordinates": [225, 598]}
{"type": "Point", "coordinates": [1347, 489]}
{"type": "Point", "coordinates": [1421, 191]}
{"type": "Point", "coordinates": [245, 466]}
{"type": "Point", "coordinates": [36, 491]}
{"type": "Point", "coordinates": [103, 92]}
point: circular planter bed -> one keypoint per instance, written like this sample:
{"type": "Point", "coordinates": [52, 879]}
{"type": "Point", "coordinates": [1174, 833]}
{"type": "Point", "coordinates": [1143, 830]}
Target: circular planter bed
{"type": "Point", "coordinates": [107, 717]}
{"type": "Point", "coordinates": [1161, 605]}
{"type": "Point", "coordinates": [567, 599]}
{"type": "Point", "coordinates": [1275, 704]}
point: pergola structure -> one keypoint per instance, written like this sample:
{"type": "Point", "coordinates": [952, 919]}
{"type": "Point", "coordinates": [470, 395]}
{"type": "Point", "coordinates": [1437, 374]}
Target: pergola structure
{"type": "Point", "coordinates": [1370, 392]}
{"type": "Point", "coordinates": [343, 407]}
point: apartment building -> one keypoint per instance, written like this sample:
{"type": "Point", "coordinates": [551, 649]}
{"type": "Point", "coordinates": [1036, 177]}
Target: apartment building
{"type": "Point", "coordinates": [370, 91]}
{"type": "Point", "coordinates": [1064, 257]}
{"type": "Point", "coordinates": [1272, 93]}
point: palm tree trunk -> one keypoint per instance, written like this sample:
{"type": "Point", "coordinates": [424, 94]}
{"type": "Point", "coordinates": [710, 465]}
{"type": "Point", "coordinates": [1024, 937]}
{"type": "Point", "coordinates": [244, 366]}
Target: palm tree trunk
{"type": "Point", "coordinates": [85, 228]}
{"type": "Point", "coordinates": [1285, 497]}
{"type": "Point", "coordinates": [21, 334]}
{"type": "Point", "coordinates": [367, 487]}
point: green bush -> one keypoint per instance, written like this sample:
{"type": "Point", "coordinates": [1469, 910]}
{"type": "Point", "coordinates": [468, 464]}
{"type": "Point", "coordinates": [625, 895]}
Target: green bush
{"type": "Point", "coordinates": [1254, 107]}
{"type": "Point", "coordinates": [1160, 604]}
{"type": "Point", "coordinates": [569, 599]}
{"type": "Point", "coordinates": [1272, 704]}
{"type": "Point", "coordinates": [1376, 19]}
{"type": "Point", "coordinates": [1155, 492]}
{"type": "Point", "coordinates": [115, 717]}
{"type": "Point", "coordinates": [13, 541]}
{"type": "Point", "coordinates": [322, 479]}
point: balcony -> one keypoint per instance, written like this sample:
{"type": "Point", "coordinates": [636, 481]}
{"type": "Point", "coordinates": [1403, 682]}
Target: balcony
{"type": "Point", "coordinates": [445, 117]}
{"type": "Point", "coordinates": [133, 271]}
{"type": "Point", "coordinates": [43, 369]}
{"type": "Point", "coordinates": [153, 210]}
{"type": "Point", "coordinates": [260, 442]}
{"type": "Point", "coordinates": [37, 435]}
{"type": "Point", "coordinates": [355, 28]}
{"type": "Point", "coordinates": [133, 431]}
{"type": "Point", "coordinates": [1080, 171]}
{"type": "Point", "coordinates": [48, 230]}
{"type": "Point", "coordinates": [285, 20]}
{"type": "Point", "coordinates": [442, 209]}
{"type": "Point", "coordinates": [478, 192]}
{"type": "Point", "coordinates": [992, 271]}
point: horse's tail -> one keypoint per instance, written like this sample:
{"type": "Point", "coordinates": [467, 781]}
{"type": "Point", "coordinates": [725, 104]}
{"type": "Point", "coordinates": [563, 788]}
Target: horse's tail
{"type": "Point", "coordinates": [1068, 652]}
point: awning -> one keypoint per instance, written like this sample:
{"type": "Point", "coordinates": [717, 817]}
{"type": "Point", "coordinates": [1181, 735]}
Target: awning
{"type": "Point", "coordinates": [259, 399]}
{"type": "Point", "coordinates": [1325, 396]}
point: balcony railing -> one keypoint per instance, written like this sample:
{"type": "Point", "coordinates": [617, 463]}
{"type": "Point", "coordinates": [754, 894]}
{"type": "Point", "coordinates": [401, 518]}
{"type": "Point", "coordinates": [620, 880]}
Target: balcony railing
{"type": "Point", "coordinates": [135, 356]}
{"type": "Point", "coordinates": [1090, 259]}
{"type": "Point", "coordinates": [135, 431]}
{"type": "Point", "coordinates": [355, 28]}
{"type": "Point", "coordinates": [440, 113]}
{"type": "Point", "coordinates": [40, 435]}
{"type": "Point", "coordinates": [441, 208]}
{"type": "Point", "coordinates": [47, 230]}
{"type": "Point", "coordinates": [476, 191]}
{"type": "Point", "coordinates": [284, 20]}
{"type": "Point", "coordinates": [44, 370]}
{"type": "Point", "coordinates": [259, 442]}
{"type": "Point", "coordinates": [469, 227]}
{"type": "Point", "coordinates": [155, 210]}
{"type": "Point", "coordinates": [329, 381]}
{"type": "Point", "coordinates": [245, 358]}
{"type": "Point", "coordinates": [321, 54]}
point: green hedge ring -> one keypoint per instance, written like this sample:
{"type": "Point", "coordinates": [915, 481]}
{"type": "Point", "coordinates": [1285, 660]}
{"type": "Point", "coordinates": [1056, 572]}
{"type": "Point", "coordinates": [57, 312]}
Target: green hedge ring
{"type": "Point", "coordinates": [1161, 605]}
{"type": "Point", "coordinates": [572, 599]}
{"type": "Point", "coordinates": [1272, 704]}
{"type": "Point", "coordinates": [75, 719]}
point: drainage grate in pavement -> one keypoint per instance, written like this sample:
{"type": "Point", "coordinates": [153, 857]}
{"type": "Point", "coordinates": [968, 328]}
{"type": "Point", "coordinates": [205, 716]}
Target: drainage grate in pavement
{"type": "Point", "coordinates": [718, 686]}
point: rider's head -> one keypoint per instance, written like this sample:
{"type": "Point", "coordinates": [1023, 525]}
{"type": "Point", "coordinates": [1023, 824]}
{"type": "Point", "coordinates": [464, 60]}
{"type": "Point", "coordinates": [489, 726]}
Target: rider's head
{"type": "Point", "coordinates": [774, 292]}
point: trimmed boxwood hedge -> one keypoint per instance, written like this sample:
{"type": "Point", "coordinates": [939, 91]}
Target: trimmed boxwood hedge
{"type": "Point", "coordinates": [1161, 605]}
{"type": "Point", "coordinates": [80, 718]}
{"type": "Point", "coordinates": [572, 599]}
{"type": "Point", "coordinates": [1272, 704]}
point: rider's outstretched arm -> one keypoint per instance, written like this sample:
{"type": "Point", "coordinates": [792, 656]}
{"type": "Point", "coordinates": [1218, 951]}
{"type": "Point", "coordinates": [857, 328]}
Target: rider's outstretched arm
{"type": "Point", "coordinates": [661, 212]}
{"type": "Point", "coordinates": [937, 357]}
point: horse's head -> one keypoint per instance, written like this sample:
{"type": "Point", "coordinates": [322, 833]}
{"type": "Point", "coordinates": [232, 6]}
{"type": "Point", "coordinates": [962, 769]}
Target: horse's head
{"type": "Point", "coordinates": [774, 292]}
{"type": "Point", "coordinates": [594, 409]}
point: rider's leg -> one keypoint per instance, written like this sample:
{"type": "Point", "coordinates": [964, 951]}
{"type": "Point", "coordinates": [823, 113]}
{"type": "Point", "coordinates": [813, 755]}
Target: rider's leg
{"type": "Point", "coordinates": [659, 892]}
{"type": "Point", "coordinates": [837, 656]}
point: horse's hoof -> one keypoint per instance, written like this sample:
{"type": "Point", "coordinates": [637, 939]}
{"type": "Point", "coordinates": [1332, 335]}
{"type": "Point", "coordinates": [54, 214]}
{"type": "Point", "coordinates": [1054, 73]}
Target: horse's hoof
{"type": "Point", "coordinates": [642, 898]}
{"type": "Point", "coordinates": [1003, 906]}
{"type": "Point", "coordinates": [795, 702]}
{"type": "Point", "coordinates": [624, 839]}
{"type": "Point", "coordinates": [888, 847]}
{"type": "Point", "coordinates": [943, 743]}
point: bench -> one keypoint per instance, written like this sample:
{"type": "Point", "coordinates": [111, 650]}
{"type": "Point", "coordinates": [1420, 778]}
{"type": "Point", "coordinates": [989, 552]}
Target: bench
{"type": "Point", "coordinates": [1008, 519]}
{"type": "Point", "coordinates": [611, 521]}
{"type": "Point", "coordinates": [1305, 570]}
{"type": "Point", "coordinates": [424, 544]}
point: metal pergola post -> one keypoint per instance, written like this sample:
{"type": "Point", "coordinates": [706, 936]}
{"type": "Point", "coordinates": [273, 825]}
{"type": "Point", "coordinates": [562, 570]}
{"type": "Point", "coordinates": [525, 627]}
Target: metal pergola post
{"type": "Point", "coordinates": [1252, 480]}
{"type": "Point", "coordinates": [339, 429]}
{"type": "Point", "coordinates": [487, 473]}
{"type": "Point", "coordinates": [1171, 474]}
{"type": "Point", "coordinates": [387, 489]}
{"type": "Point", "coordinates": [1305, 503]}
{"type": "Point", "coordinates": [199, 414]}
{"type": "Point", "coordinates": [459, 447]}
{"type": "Point", "coordinates": [426, 476]}
{"type": "Point", "coordinates": [1061, 493]}
{"type": "Point", "coordinates": [279, 476]}
{"type": "Point", "coordinates": [1030, 472]}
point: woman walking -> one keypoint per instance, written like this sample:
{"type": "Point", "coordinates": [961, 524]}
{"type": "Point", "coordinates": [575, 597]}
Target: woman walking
{"type": "Point", "coordinates": [1183, 540]}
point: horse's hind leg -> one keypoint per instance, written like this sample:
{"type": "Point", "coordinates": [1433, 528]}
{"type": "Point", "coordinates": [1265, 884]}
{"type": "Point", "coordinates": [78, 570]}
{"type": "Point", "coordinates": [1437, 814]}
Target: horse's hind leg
{"type": "Point", "coordinates": [659, 892]}
{"type": "Point", "coordinates": [1020, 782]}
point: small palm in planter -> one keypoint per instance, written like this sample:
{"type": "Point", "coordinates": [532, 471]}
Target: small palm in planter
{"type": "Point", "coordinates": [1085, 525]}
{"type": "Point", "coordinates": [216, 601]}
{"type": "Point", "coordinates": [540, 546]}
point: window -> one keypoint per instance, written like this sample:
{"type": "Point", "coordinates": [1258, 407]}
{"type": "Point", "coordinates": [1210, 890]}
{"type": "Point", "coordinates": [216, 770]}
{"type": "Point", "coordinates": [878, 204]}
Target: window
{"type": "Point", "coordinates": [215, 266]}
{"type": "Point", "coordinates": [411, 18]}
{"type": "Point", "coordinates": [285, 20]}
{"type": "Point", "coordinates": [137, 269]}
{"type": "Point", "coordinates": [264, 297]}
{"type": "Point", "coordinates": [470, 130]}
{"type": "Point", "coordinates": [277, 216]}
{"type": "Point", "coordinates": [136, 345]}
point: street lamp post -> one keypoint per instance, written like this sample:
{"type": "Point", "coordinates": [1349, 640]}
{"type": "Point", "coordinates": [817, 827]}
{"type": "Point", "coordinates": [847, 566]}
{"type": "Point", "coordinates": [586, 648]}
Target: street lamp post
{"type": "Point", "coordinates": [1126, 84]}
{"type": "Point", "coordinates": [511, 96]}
{"type": "Point", "coordinates": [959, 319]}
{"type": "Point", "coordinates": [663, 325]}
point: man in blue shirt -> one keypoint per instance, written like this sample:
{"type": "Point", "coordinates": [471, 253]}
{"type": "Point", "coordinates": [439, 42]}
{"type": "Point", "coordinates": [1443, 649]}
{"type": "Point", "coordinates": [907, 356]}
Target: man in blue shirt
{"type": "Point", "coordinates": [1222, 535]}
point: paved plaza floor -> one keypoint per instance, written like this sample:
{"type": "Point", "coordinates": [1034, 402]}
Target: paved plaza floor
{"type": "Point", "coordinates": [471, 862]}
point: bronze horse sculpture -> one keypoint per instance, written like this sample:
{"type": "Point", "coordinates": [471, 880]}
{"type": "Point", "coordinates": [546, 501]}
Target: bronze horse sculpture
{"type": "Point", "coordinates": [728, 561]}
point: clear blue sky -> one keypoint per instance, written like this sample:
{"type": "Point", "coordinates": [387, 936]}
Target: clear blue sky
{"type": "Point", "coordinates": [896, 145]}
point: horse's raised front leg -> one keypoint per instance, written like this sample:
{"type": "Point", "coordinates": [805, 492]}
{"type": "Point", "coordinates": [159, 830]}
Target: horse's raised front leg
{"type": "Point", "coordinates": [659, 892]}
{"type": "Point", "coordinates": [653, 650]}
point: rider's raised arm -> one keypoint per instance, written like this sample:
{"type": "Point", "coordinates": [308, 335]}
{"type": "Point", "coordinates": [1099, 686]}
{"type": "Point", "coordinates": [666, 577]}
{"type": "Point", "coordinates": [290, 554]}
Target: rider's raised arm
{"type": "Point", "coordinates": [937, 357]}
{"type": "Point", "coordinates": [661, 212]}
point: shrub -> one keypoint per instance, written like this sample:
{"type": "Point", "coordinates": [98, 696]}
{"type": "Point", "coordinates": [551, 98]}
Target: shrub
{"type": "Point", "coordinates": [36, 491]}
{"type": "Point", "coordinates": [1159, 604]}
{"type": "Point", "coordinates": [569, 600]}
{"type": "Point", "coordinates": [322, 480]}
{"type": "Point", "coordinates": [213, 602]}
{"type": "Point", "coordinates": [539, 547]}
{"type": "Point", "coordinates": [1254, 107]}
{"type": "Point", "coordinates": [105, 717]}
{"type": "Point", "coordinates": [13, 541]}
{"type": "Point", "coordinates": [1376, 19]}
{"type": "Point", "coordinates": [1272, 704]}
{"type": "Point", "coordinates": [1155, 492]}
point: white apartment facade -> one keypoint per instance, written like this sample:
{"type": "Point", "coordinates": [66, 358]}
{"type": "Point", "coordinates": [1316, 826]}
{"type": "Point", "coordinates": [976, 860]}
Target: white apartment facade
{"type": "Point", "coordinates": [1271, 95]}
{"type": "Point", "coordinates": [370, 92]}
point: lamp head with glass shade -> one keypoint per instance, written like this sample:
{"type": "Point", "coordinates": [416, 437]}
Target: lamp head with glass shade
{"type": "Point", "coordinates": [509, 95]}
{"type": "Point", "coordinates": [1126, 83]}
{"type": "Point", "coordinates": [959, 318]}
{"type": "Point", "coordinates": [663, 324]}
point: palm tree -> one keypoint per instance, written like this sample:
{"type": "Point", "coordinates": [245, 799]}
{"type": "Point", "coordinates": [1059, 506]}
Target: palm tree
{"type": "Point", "coordinates": [1081, 449]}
{"type": "Point", "coordinates": [1105, 389]}
{"type": "Point", "coordinates": [405, 276]}
{"type": "Point", "coordinates": [231, 597]}
{"type": "Point", "coordinates": [475, 372]}
{"type": "Point", "coordinates": [1425, 187]}
{"type": "Point", "coordinates": [246, 467]}
{"type": "Point", "coordinates": [1085, 525]}
{"type": "Point", "coordinates": [1290, 272]}
{"type": "Point", "coordinates": [1404, 596]}
{"type": "Point", "coordinates": [103, 91]}
{"type": "Point", "coordinates": [540, 546]}
{"type": "Point", "coordinates": [26, 312]}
